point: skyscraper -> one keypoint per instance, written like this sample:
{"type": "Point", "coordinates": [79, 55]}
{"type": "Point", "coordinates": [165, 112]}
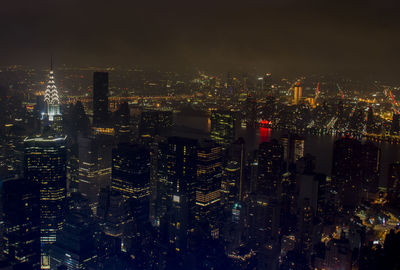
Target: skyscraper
{"type": "Point", "coordinates": [94, 166]}
{"type": "Point", "coordinates": [370, 167]}
{"type": "Point", "coordinates": [263, 218]}
{"type": "Point", "coordinates": [237, 153]}
{"type": "Point", "coordinates": [251, 112]}
{"type": "Point", "coordinates": [131, 178]}
{"type": "Point", "coordinates": [293, 145]}
{"type": "Point", "coordinates": [20, 198]}
{"type": "Point", "coordinates": [45, 164]}
{"type": "Point", "coordinates": [270, 167]}
{"type": "Point", "coordinates": [122, 123]}
{"type": "Point", "coordinates": [297, 93]}
{"type": "Point", "coordinates": [370, 121]}
{"type": "Point", "coordinates": [208, 192]}
{"type": "Point", "coordinates": [223, 127]}
{"type": "Point", "coordinates": [230, 186]}
{"type": "Point", "coordinates": [74, 248]}
{"type": "Point", "coordinates": [188, 192]}
{"type": "Point", "coordinates": [346, 174]}
{"type": "Point", "coordinates": [100, 99]}
{"type": "Point", "coordinates": [181, 179]}
{"type": "Point", "coordinates": [51, 97]}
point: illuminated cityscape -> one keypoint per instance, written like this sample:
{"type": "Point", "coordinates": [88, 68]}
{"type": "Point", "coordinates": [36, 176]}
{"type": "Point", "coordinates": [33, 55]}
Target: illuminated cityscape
{"type": "Point", "coordinates": [221, 135]}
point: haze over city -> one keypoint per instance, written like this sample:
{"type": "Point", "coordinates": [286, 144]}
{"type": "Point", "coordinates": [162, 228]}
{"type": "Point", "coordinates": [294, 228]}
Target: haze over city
{"type": "Point", "coordinates": [285, 37]}
{"type": "Point", "coordinates": [212, 135]}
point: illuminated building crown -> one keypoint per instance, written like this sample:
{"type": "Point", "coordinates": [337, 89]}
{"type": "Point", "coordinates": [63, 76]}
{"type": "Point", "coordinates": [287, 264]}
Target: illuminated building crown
{"type": "Point", "coordinates": [51, 94]}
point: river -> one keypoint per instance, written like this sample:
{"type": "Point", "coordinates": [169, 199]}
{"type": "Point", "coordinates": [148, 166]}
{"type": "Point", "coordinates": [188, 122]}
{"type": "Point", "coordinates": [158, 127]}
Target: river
{"type": "Point", "coordinates": [320, 146]}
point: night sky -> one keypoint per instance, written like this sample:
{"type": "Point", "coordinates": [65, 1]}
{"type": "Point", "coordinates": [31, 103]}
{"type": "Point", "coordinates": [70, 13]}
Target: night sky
{"type": "Point", "coordinates": [287, 37]}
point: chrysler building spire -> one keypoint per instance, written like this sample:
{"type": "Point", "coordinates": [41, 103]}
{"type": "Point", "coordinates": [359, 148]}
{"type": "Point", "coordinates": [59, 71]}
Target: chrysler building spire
{"type": "Point", "coordinates": [51, 95]}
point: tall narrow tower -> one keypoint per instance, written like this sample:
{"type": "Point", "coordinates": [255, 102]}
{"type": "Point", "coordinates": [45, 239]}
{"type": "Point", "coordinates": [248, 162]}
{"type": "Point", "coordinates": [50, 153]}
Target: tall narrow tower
{"type": "Point", "coordinates": [298, 92]}
{"type": "Point", "coordinates": [51, 96]}
{"type": "Point", "coordinates": [100, 99]}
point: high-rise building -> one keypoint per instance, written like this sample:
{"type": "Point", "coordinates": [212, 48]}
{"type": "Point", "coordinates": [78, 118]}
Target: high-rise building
{"type": "Point", "coordinates": [297, 93]}
{"type": "Point", "coordinates": [100, 99]}
{"type": "Point", "coordinates": [395, 129]}
{"type": "Point", "coordinates": [346, 174]}
{"type": "Point", "coordinates": [370, 167]}
{"type": "Point", "coordinates": [208, 191]}
{"type": "Point", "coordinates": [230, 83]}
{"type": "Point", "coordinates": [94, 166]}
{"type": "Point", "coordinates": [370, 121]}
{"type": "Point", "coordinates": [113, 212]}
{"type": "Point", "coordinates": [154, 122]}
{"type": "Point", "coordinates": [293, 145]}
{"type": "Point", "coordinates": [131, 178]}
{"type": "Point", "coordinates": [270, 167]}
{"type": "Point", "coordinates": [263, 221]}
{"type": "Point", "coordinates": [180, 187]}
{"type": "Point", "coordinates": [188, 189]}
{"type": "Point", "coordinates": [312, 188]}
{"type": "Point", "coordinates": [223, 127]}
{"type": "Point", "coordinates": [355, 170]}
{"type": "Point", "coordinates": [305, 227]}
{"type": "Point", "coordinates": [237, 153]}
{"type": "Point", "coordinates": [251, 112]}
{"type": "Point", "coordinates": [45, 164]}
{"type": "Point", "coordinates": [21, 217]}
{"type": "Point", "coordinates": [51, 97]}
{"type": "Point", "coordinates": [267, 82]}
{"type": "Point", "coordinates": [230, 186]}
{"type": "Point", "coordinates": [74, 248]}
{"type": "Point", "coordinates": [393, 183]}
{"type": "Point", "coordinates": [122, 123]}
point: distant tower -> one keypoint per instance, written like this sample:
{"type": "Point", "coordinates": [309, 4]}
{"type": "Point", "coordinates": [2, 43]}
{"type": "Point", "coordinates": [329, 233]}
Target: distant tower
{"type": "Point", "coordinates": [298, 92]}
{"type": "Point", "coordinates": [370, 121]}
{"type": "Point", "coordinates": [223, 127]}
{"type": "Point", "coordinates": [51, 97]}
{"type": "Point", "coordinates": [267, 82]}
{"type": "Point", "coordinates": [100, 99]}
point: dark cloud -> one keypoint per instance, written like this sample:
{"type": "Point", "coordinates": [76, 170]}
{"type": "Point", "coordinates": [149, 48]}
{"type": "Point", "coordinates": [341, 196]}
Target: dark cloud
{"type": "Point", "coordinates": [283, 36]}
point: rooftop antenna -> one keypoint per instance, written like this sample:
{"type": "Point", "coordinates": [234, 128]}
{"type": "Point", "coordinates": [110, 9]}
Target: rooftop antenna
{"type": "Point", "coordinates": [51, 62]}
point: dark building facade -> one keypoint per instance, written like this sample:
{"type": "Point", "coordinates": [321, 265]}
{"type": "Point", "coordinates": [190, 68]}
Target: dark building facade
{"type": "Point", "coordinates": [21, 215]}
{"type": "Point", "coordinates": [346, 174]}
{"type": "Point", "coordinates": [154, 122]}
{"type": "Point", "coordinates": [74, 248]}
{"type": "Point", "coordinates": [270, 167]}
{"type": "Point", "coordinates": [131, 178]}
{"type": "Point", "coordinates": [355, 169]}
{"type": "Point", "coordinates": [100, 99]}
{"type": "Point", "coordinates": [395, 128]}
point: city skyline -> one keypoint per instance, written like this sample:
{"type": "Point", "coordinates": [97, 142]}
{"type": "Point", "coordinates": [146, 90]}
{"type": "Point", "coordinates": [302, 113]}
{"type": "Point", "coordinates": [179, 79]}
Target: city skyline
{"type": "Point", "coordinates": [182, 135]}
